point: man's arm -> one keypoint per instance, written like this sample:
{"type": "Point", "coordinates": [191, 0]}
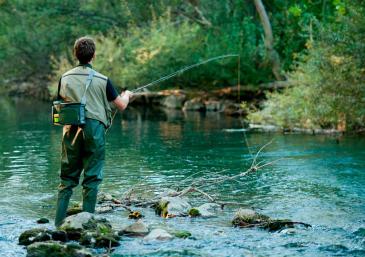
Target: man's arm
{"type": "Point", "coordinates": [121, 101]}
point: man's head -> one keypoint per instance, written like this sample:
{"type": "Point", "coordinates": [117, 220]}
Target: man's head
{"type": "Point", "coordinates": [84, 49]}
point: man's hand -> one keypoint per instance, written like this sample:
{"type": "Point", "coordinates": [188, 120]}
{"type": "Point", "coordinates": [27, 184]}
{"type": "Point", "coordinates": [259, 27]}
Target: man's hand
{"type": "Point", "coordinates": [122, 101]}
{"type": "Point", "coordinates": [128, 93]}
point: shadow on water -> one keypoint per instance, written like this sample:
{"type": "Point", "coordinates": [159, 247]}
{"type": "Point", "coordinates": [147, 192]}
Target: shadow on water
{"type": "Point", "coordinates": [319, 182]}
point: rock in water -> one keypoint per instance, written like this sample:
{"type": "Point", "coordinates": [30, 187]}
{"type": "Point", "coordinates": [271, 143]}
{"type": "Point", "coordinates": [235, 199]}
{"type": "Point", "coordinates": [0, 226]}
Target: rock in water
{"type": "Point", "coordinates": [104, 197]}
{"type": "Point", "coordinates": [173, 101]}
{"type": "Point", "coordinates": [103, 209]}
{"type": "Point", "coordinates": [194, 212]}
{"type": "Point", "coordinates": [205, 210]}
{"type": "Point", "coordinates": [248, 218]}
{"type": "Point", "coordinates": [182, 234]}
{"type": "Point", "coordinates": [172, 206]}
{"type": "Point", "coordinates": [34, 235]}
{"type": "Point", "coordinates": [59, 235]}
{"type": "Point", "coordinates": [213, 106]}
{"type": "Point", "coordinates": [76, 221]}
{"type": "Point", "coordinates": [56, 249]}
{"type": "Point", "coordinates": [43, 221]}
{"type": "Point", "coordinates": [195, 104]}
{"type": "Point", "coordinates": [136, 229]}
{"type": "Point", "coordinates": [158, 235]}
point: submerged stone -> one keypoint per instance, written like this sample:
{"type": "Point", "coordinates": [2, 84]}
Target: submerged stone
{"type": "Point", "coordinates": [205, 210]}
{"type": "Point", "coordinates": [136, 229]}
{"type": "Point", "coordinates": [172, 206]}
{"type": "Point", "coordinates": [158, 235]}
{"type": "Point", "coordinates": [182, 234]}
{"type": "Point", "coordinates": [194, 212]}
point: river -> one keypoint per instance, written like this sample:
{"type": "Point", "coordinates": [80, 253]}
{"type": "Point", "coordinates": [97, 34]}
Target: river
{"type": "Point", "coordinates": [320, 181]}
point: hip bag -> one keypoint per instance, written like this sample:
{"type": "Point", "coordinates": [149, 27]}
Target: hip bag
{"type": "Point", "coordinates": [66, 113]}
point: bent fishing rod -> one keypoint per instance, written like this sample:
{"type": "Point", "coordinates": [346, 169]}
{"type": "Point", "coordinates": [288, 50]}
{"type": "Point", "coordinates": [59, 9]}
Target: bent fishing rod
{"type": "Point", "coordinates": [179, 72]}
{"type": "Point", "coordinates": [176, 73]}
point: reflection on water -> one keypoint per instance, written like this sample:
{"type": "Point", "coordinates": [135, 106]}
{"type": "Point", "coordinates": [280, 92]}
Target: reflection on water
{"type": "Point", "coordinates": [320, 182]}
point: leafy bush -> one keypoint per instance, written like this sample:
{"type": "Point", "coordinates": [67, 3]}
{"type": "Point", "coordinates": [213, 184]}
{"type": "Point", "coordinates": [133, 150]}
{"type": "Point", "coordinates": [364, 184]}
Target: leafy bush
{"type": "Point", "coordinates": [328, 85]}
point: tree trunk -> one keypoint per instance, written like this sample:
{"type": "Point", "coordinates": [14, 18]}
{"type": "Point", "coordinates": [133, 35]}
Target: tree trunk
{"type": "Point", "coordinates": [269, 40]}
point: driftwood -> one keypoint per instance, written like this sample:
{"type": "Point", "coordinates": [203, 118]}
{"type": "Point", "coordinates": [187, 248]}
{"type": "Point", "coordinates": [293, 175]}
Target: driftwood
{"type": "Point", "coordinates": [198, 185]}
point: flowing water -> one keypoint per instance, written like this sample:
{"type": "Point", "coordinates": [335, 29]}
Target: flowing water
{"type": "Point", "coordinates": [321, 182]}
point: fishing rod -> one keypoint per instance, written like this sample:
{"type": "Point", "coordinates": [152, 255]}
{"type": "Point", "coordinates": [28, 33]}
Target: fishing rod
{"type": "Point", "coordinates": [176, 73]}
{"type": "Point", "coordinates": [179, 72]}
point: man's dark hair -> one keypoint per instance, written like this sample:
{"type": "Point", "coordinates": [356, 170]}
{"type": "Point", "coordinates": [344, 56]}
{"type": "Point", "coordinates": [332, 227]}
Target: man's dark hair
{"type": "Point", "coordinates": [84, 49]}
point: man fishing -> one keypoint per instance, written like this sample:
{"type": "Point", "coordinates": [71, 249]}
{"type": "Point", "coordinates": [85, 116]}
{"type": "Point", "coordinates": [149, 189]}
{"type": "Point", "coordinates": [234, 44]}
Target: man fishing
{"type": "Point", "coordinates": [83, 147]}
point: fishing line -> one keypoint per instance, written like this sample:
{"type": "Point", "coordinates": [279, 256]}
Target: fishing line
{"type": "Point", "coordinates": [176, 73]}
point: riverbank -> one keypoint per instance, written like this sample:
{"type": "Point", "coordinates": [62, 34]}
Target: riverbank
{"type": "Point", "coordinates": [236, 101]}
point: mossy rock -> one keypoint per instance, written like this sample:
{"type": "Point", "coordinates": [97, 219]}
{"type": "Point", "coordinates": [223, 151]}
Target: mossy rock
{"type": "Point", "coordinates": [276, 225]}
{"type": "Point", "coordinates": [56, 249]}
{"type": "Point", "coordinates": [88, 238]}
{"type": "Point", "coordinates": [73, 233]}
{"type": "Point", "coordinates": [101, 226]}
{"type": "Point", "coordinates": [182, 234]}
{"type": "Point", "coordinates": [248, 218]}
{"type": "Point", "coordinates": [106, 241]}
{"type": "Point", "coordinates": [193, 212]}
{"type": "Point", "coordinates": [34, 235]}
{"type": "Point", "coordinates": [59, 235]}
{"type": "Point", "coordinates": [161, 208]}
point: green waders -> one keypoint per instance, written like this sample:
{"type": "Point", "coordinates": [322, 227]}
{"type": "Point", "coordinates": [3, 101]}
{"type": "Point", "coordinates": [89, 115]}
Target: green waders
{"type": "Point", "coordinates": [82, 150]}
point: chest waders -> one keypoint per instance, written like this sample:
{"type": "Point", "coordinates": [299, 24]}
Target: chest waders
{"type": "Point", "coordinates": [83, 150]}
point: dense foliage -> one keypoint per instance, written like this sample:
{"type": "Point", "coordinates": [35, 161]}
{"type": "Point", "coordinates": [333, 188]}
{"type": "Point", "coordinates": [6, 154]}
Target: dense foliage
{"type": "Point", "coordinates": [320, 44]}
{"type": "Point", "coordinates": [328, 85]}
{"type": "Point", "coordinates": [142, 40]}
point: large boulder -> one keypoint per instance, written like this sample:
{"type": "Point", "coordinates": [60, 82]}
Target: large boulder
{"type": "Point", "coordinates": [76, 221]}
{"type": "Point", "coordinates": [56, 249]}
{"type": "Point", "coordinates": [173, 101]}
{"type": "Point", "coordinates": [248, 218]}
{"type": "Point", "coordinates": [172, 206]}
{"type": "Point", "coordinates": [136, 229]}
{"type": "Point", "coordinates": [158, 235]}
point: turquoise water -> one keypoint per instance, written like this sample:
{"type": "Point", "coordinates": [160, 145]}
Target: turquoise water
{"type": "Point", "coordinates": [321, 182]}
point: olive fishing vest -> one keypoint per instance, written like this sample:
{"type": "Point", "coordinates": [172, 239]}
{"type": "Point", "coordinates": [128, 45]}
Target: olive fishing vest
{"type": "Point", "coordinates": [73, 85]}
